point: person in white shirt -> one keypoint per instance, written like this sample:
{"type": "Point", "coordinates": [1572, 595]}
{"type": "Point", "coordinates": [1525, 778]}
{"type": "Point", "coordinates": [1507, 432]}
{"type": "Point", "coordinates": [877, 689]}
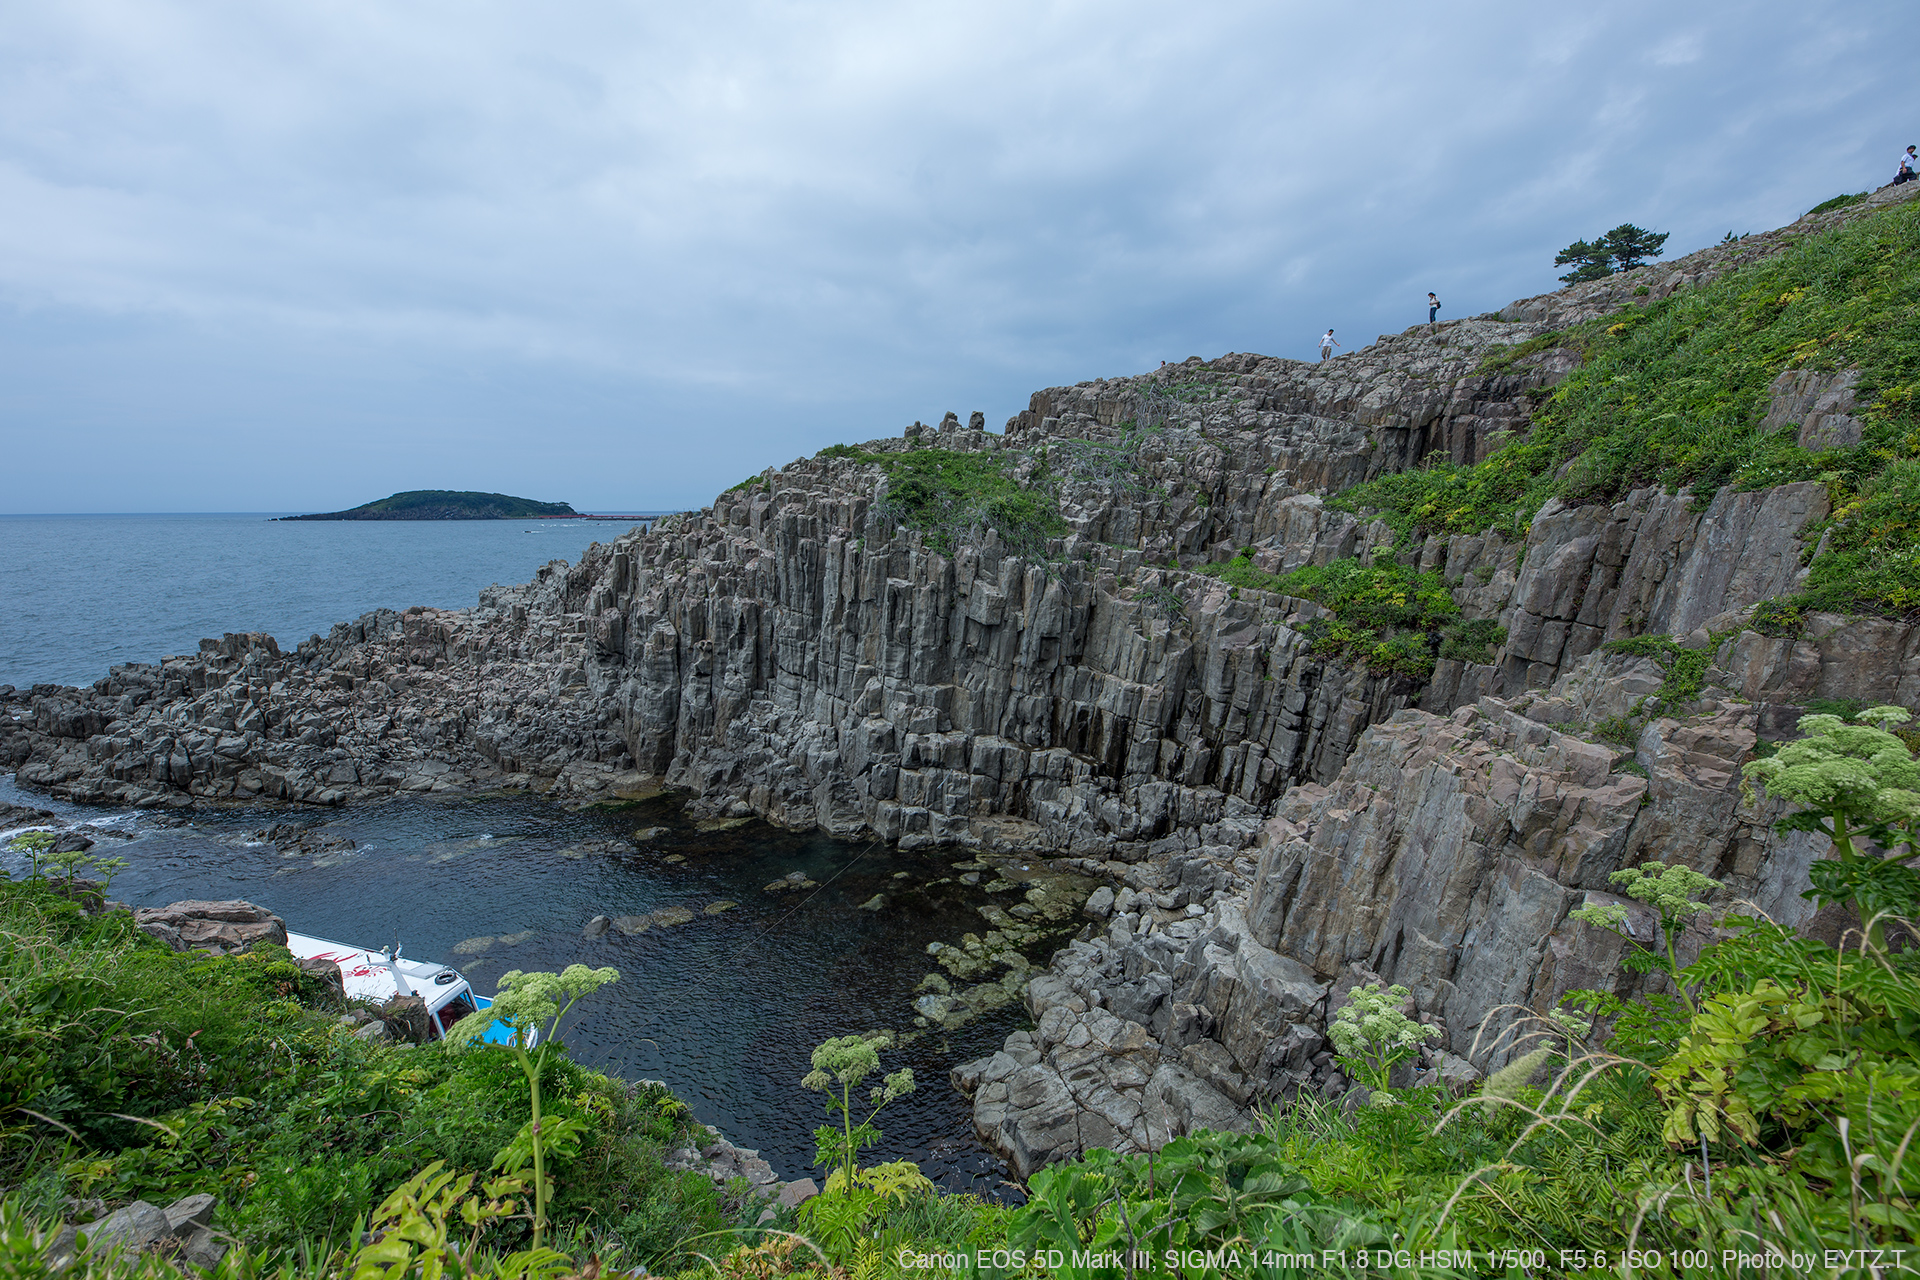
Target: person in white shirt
{"type": "Point", "coordinates": [1327, 344]}
{"type": "Point", "coordinates": [1909, 167]}
{"type": "Point", "coordinates": [1433, 307]}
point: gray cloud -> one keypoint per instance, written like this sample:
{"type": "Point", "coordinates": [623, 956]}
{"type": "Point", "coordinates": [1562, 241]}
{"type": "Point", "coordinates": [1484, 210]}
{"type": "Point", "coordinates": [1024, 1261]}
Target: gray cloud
{"type": "Point", "coordinates": [300, 256]}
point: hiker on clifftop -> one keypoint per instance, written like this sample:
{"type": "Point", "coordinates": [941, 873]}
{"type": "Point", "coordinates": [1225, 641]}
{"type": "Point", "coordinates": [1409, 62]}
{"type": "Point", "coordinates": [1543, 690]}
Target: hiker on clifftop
{"type": "Point", "coordinates": [1433, 307]}
{"type": "Point", "coordinates": [1327, 344]}
{"type": "Point", "coordinates": [1909, 167]}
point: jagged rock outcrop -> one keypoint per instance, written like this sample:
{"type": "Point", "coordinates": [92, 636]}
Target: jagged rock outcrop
{"type": "Point", "coordinates": [1446, 857]}
{"type": "Point", "coordinates": [395, 702]}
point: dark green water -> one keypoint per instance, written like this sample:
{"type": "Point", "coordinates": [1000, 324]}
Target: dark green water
{"type": "Point", "coordinates": [725, 1008]}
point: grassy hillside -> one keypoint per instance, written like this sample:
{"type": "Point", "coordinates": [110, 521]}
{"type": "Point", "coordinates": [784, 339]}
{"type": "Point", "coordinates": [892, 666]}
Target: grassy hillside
{"type": "Point", "coordinates": [448, 504]}
{"type": "Point", "coordinates": [1672, 392]}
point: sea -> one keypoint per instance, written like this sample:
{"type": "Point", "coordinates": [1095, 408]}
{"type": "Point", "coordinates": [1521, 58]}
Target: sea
{"type": "Point", "coordinates": [724, 1008]}
{"type": "Point", "coordinates": [79, 593]}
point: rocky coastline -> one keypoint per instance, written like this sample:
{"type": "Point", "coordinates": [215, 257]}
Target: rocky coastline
{"type": "Point", "coordinates": [1271, 824]}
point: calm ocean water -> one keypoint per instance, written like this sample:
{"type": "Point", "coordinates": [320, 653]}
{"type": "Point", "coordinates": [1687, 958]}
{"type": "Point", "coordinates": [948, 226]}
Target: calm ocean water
{"type": "Point", "coordinates": [83, 592]}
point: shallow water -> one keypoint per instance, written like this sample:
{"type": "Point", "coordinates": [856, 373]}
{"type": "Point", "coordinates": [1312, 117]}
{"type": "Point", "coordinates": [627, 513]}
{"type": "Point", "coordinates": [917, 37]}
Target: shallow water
{"type": "Point", "coordinates": [725, 1008]}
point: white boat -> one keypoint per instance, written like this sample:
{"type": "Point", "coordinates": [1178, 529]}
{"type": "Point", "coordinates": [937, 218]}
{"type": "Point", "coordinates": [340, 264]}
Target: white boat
{"type": "Point", "coordinates": [378, 977]}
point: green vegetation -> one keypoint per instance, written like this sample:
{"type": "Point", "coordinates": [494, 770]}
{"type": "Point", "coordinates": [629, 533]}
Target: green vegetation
{"type": "Point", "coordinates": [1854, 777]}
{"type": "Point", "coordinates": [1473, 640]}
{"type": "Point", "coordinates": [844, 1062]}
{"type": "Point", "coordinates": [448, 504]}
{"type": "Point", "coordinates": [1390, 617]}
{"type": "Point", "coordinates": [952, 496]}
{"type": "Point", "coordinates": [1838, 202]}
{"type": "Point", "coordinates": [532, 1005]}
{"type": "Point", "coordinates": [1683, 670]}
{"type": "Point", "coordinates": [133, 1072]}
{"type": "Point", "coordinates": [1621, 249]}
{"type": "Point", "coordinates": [1373, 1035]}
{"type": "Point", "coordinates": [1672, 393]}
{"type": "Point", "coordinates": [1116, 464]}
{"type": "Point", "coordinates": [1506, 357]}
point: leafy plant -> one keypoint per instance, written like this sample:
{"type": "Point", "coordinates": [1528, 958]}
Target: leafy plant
{"type": "Point", "coordinates": [1853, 779]}
{"type": "Point", "coordinates": [35, 845]}
{"type": "Point", "coordinates": [1372, 1035]}
{"type": "Point", "coordinates": [1670, 890]}
{"type": "Point", "coordinates": [532, 1005]}
{"type": "Point", "coordinates": [412, 1233]}
{"type": "Point", "coordinates": [843, 1064]}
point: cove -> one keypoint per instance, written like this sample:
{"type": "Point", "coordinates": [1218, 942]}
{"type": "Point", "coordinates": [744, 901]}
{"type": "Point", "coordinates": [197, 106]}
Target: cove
{"type": "Point", "coordinates": [724, 1007]}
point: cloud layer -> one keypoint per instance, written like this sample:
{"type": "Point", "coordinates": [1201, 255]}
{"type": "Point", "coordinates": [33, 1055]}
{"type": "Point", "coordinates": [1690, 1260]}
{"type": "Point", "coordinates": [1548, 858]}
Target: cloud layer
{"type": "Point", "coordinates": [300, 256]}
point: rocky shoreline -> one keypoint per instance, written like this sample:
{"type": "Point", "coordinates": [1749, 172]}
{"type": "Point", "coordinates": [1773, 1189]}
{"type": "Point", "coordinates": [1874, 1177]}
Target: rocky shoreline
{"type": "Point", "coordinates": [1272, 824]}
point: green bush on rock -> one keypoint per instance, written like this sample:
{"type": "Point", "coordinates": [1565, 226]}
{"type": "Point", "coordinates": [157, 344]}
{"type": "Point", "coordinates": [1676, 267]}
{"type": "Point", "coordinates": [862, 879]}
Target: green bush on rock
{"type": "Point", "coordinates": [1384, 614]}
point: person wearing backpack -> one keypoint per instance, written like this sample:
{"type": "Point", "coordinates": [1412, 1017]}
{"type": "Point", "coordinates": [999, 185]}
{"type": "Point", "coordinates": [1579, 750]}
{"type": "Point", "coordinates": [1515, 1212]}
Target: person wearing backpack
{"type": "Point", "coordinates": [1433, 306]}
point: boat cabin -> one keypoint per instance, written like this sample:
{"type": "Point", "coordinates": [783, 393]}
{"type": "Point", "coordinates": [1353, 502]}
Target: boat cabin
{"type": "Point", "coordinates": [377, 977]}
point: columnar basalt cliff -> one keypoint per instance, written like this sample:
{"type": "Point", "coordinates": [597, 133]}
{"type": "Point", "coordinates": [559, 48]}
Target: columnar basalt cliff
{"type": "Point", "coordinates": [1277, 821]}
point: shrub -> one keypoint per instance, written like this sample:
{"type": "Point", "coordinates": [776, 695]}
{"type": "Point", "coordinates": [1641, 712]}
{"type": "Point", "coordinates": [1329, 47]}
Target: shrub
{"type": "Point", "coordinates": [1473, 640]}
{"type": "Point", "coordinates": [1372, 1035]}
{"type": "Point", "coordinates": [1684, 670]}
{"type": "Point", "coordinates": [1838, 202]}
{"type": "Point", "coordinates": [1778, 618]}
{"type": "Point", "coordinates": [1385, 615]}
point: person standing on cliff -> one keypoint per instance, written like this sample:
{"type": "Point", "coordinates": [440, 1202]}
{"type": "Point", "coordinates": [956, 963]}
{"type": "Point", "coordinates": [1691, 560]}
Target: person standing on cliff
{"type": "Point", "coordinates": [1433, 307]}
{"type": "Point", "coordinates": [1327, 344]}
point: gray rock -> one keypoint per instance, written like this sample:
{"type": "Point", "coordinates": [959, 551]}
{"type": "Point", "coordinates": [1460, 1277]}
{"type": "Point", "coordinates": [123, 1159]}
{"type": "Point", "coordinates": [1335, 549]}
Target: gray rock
{"type": "Point", "coordinates": [596, 927]}
{"type": "Point", "coordinates": [190, 1211]}
{"type": "Point", "coordinates": [1820, 404]}
{"type": "Point", "coordinates": [219, 927]}
{"type": "Point", "coordinates": [792, 1193]}
{"type": "Point", "coordinates": [1100, 903]}
{"type": "Point", "coordinates": [131, 1229]}
{"type": "Point", "coordinates": [1458, 1074]}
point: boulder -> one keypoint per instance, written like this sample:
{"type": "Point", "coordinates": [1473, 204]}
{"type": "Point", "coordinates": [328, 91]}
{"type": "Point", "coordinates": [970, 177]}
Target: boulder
{"type": "Point", "coordinates": [131, 1229]}
{"type": "Point", "coordinates": [218, 927]}
{"type": "Point", "coordinates": [405, 1018]}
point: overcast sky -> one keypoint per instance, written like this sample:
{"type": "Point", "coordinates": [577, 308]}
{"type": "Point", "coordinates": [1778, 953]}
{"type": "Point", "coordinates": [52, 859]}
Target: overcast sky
{"type": "Point", "coordinates": [296, 256]}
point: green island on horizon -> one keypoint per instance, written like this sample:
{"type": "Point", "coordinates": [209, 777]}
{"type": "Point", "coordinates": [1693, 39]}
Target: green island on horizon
{"type": "Point", "coordinates": [449, 504]}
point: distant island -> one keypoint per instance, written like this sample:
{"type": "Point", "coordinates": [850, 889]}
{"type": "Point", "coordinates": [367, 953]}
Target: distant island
{"type": "Point", "coordinates": [450, 504]}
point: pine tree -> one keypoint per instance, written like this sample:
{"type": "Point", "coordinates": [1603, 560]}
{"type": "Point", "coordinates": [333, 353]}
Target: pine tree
{"type": "Point", "coordinates": [1591, 262]}
{"type": "Point", "coordinates": [1630, 246]}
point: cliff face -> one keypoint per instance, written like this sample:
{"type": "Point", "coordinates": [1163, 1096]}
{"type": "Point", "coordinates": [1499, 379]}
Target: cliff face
{"type": "Point", "coordinates": [1280, 823]}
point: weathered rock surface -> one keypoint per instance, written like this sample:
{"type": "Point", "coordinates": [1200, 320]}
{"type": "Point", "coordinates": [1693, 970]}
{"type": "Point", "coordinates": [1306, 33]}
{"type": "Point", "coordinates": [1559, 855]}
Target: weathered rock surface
{"type": "Point", "coordinates": [182, 1232]}
{"type": "Point", "coordinates": [218, 927]}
